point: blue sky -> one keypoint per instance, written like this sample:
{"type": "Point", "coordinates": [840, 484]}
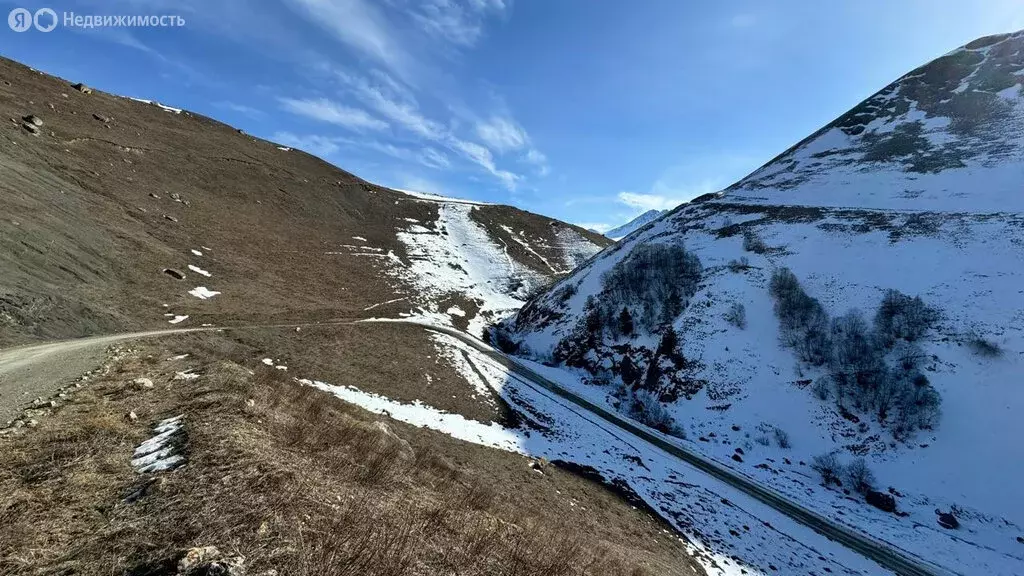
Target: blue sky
{"type": "Point", "coordinates": [591, 112]}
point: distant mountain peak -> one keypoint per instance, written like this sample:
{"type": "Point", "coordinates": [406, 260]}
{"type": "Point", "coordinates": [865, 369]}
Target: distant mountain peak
{"type": "Point", "coordinates": [634, 224]}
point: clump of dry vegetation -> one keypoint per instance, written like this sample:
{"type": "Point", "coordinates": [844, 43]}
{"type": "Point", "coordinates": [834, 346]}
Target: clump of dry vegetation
{"type": "Point", "coordinates": [284, 475]}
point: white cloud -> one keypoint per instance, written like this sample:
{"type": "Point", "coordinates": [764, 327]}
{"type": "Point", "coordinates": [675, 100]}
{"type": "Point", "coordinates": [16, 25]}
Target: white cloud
{"type": "Point", "coordinates": [434, 158]}
{"type": "Point", "coordinates": [482, 157]}
{"type": "Point", "coordinates": [457, 22]}
{"type": "Point", "coordinates": [428, 156]}
{"type": "Point", "coordinates": [360, 25]}
{"type": "Point", "coordinates": [649, 201]}
{"type": "Point", "coordinates": [240, 108]}
{"type": "Point", "coordinates": [403, 113]}
{"type": "Point", "coordinates": [502, 134]}
{"type": "Point", "coordinates": [318, 145]}
{"type": "Point", "coordinates": [324, 110]}
{"type": "Point", "coordinates": [538, 159]}
{"type": "Point", "coordinates": [599, 228]}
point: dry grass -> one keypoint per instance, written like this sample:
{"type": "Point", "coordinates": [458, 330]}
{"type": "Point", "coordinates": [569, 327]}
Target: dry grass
{"type": "Point", "coordinates": [284, 475]}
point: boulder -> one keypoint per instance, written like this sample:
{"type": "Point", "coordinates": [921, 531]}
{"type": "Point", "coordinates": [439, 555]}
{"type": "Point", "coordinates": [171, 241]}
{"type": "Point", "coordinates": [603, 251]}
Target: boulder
{"type": "Point", "coordinates": [881, 500]}
{"type": "Point", "coordinates": [737, 457]}
{"type": "Point", "coordinates": [948, 521]}
{"type": "Point", "coordinates": [82, 88]}
{"type": "Point", "coordinates": [33, 119]}
{"type": "Point", "coordinates": [143, 383]}
{"type": "Point", "coordinates": [101, 118]}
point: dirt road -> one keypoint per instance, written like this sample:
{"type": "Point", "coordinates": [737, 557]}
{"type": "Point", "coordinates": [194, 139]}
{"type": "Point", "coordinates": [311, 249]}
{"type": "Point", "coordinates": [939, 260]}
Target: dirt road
{"type": "Point", "coordinates": [28, 372]}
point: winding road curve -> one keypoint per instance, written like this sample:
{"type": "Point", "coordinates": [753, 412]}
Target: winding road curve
{"type": "Point", "coordinates": [38, 369]}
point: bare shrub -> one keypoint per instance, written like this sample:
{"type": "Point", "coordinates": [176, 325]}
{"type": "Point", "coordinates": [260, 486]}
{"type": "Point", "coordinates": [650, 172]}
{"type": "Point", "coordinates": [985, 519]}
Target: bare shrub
{"type": "Point", "coordinates": [739, 265]}
{"type": "Point", "coordinates": [984, 347]}
{"type": "Point", "coordinates": [860, 477]}
{"type": "Point", "coordinates": [829, 467]}
{"type": "Point", "coordinates": [781, 438]}
{"type": "Point", "coordinates": [753, 243]}
{"type": "Point", "coordinates": [737, 316]}
{"type": "Point", "coordinates": [645, 407]}
{"type": "Point", "coordinates": [901, 317]}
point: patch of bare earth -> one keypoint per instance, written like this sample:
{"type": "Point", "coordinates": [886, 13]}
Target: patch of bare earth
{"type": "Point", "coordinates": [294, 480]}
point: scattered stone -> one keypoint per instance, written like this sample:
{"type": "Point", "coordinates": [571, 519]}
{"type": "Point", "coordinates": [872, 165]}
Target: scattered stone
{"type": "Point", "coordinates": [32, 423]}
{"type": "Point", "coordinates": [17, 424]}
{"type": "Point", "coordinates": [176, 274]}
{"type": "Point", "coordinates": [154, 195]}
{"type": "Point", "coordinates": [881, 500]}
{"type": "Point", "coordinates": [737, 457]}
{"type": "Point", "coordinates": [250, 402]}
{"type": "Point", "coordinates": [33, 119]}
{"type": "Point", "coordinates": [171, 218]}
{"type": "Point", "coordinates": [143, 383]}
{"type": "Point", "coordinates": [739, 451]}
{"type": "Point", "coordinates": [101, 117]}
{"type": "Point", "coordinates": [175, 196]}
{"type": "Point", "coordinates": [948, 521]}
{"type": "Point", "coordinates": [132, 417]}
{"type": "Point", "coordinates": [31, 128]}
{"type": "Point", "coordinates": [1020, 539]}
{"type": "Point", "coordinates": [82, 88]}
{"type": "Point", "coordinates": [535, 466]}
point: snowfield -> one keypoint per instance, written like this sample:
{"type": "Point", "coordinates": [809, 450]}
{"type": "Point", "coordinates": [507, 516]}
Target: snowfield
{"type": "Point", "coordinates": [455, 258]}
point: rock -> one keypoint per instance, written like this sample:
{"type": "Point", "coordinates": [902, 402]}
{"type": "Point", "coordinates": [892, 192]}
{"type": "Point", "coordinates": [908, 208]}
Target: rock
{"type": "Point", "coordinates": [405, 449]}
{"type": "Point", "coordinates": [208, 561]}
{"type": "Point", "coordinates": [31, 128]}
{"type": "Point", "coordinates": [132, 417]}
{"type": "Point", "coordinates": [101, 118]}
{"type": "Point", "coordinates": [154, 195]}
{"type": "Point", "coordinates": [32, 423]}
{"type": "Point", "coordinates": [143, 383]}
{"type": "Point", "coordinates": [1020, 539]}
{"type": "Point", "coordinates": [737, 457]}
{"type": "Point", "coordinates": [250, 403]}
{"type": "Point", "coordinates": [82, 88]}
{"type": "Point", "coordinates": [171, 218]}
{"type": "Point", "coordinates": [176, 274]}
{"type": "Point", "coordinates": [739, 451]}
{"type": "Point", "coordinates": [948, 521]}
{"type": "Point", "coordinates": [175, 196]}
{"type": "Point", "coordinates": [33, 119]}
{"type": "Point", "coordinates": [536, 466]}
{"type": "Point", "coordinates": [881, 500]}
{"type": "Point", "coordinates": [17, 424]}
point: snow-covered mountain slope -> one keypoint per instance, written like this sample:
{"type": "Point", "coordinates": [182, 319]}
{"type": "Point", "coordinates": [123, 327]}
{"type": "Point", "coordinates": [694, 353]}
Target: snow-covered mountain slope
{"type": "Point", "coordinates": [633, 225]}
{"type": "Point", "coordinates": [472, 264]}
{"type": "Point", "coordinates": [948, 135]}
{"type": "Point", "coordinates": [761, 322]}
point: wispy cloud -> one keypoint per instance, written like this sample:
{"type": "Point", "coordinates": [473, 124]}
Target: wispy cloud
{"type": "Point", "coordinates": [460, 23]}
{"type": "Point", "coordinates": [482, 157]}
{"type": "Point", "coordinates": [241, 109]}
{"type": "Point", "coordinates": [325, 110]}
{"type": "Point", "coordinates": [360, 25]}
{"type": "Point", "coordinates": [319, 145]}
{"type": "Point", "coordinates": [502, 134]}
